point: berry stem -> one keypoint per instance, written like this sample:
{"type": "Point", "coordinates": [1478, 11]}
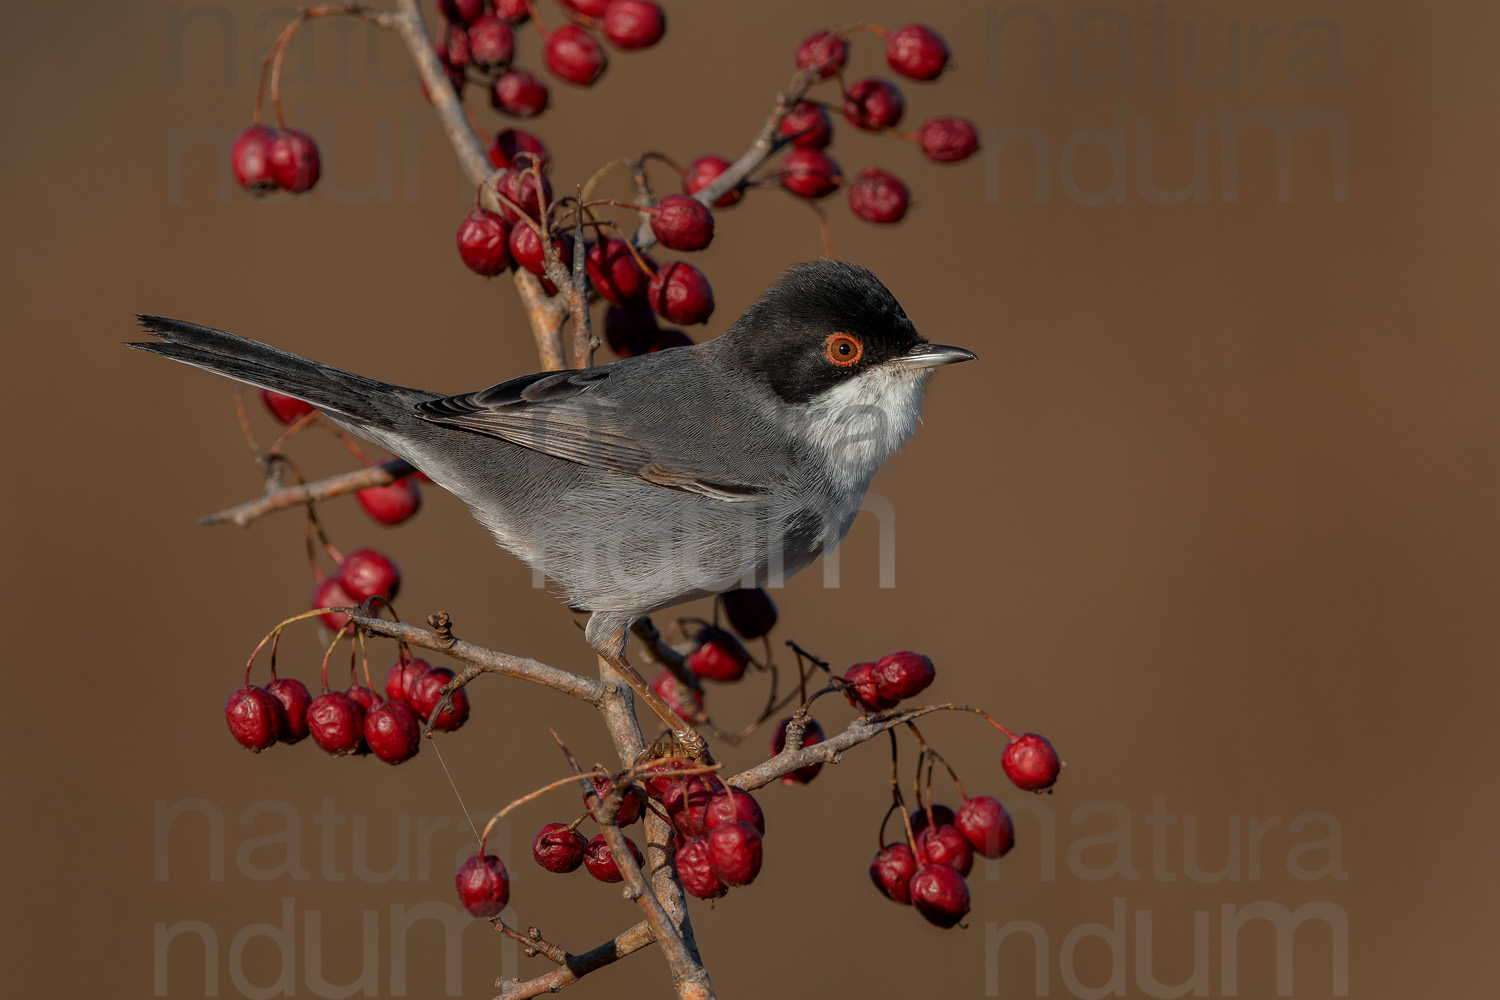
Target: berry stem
{"type": "Point", "coordinates": [927, 747]}
{"type": "Point", "coordinates": [338, 636]}
{"type": "Point", "coordinates": [603, 172]}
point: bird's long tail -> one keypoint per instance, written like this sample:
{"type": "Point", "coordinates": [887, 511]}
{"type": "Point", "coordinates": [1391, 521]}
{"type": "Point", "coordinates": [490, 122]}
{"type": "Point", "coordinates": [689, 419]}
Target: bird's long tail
{"type": "Point", "coordinates": [362, 401]}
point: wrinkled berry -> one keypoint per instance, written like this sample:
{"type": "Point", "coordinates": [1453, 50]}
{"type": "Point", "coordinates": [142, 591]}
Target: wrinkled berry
{"type": "Point", "coordinates": [295, 699]}
{"type": "Point", "coordinates": [704, 171]}
{"type": "Point", "coordinates": [526, 188]}
{"type": "Point", "coordinates": [632, 803]}
{"type": "Point", "coordinates": [807, 126]}
{"type": "Point", "coordinates": [330, 594]}
{"type": "Point", "coordinates": [734, 852]}
{"type": "Point", "coordinates": [483, 886]}
{"type": "Point", "coordinates": [481, 239]}
{"type": "Point", "coordinates": [948, 140]}
{"type": "Point", "coordinates": [1031, 763]}
{"type": "Point", "coordinates": [255, 716]}
{"type": "Point", "coordinates": [426, 690]}
{"type": "Point", "coordinates": [669, 687]}
{"type": "Point", "coordinates": [337, 723]}
{"type": "Point", "coordinates": [874, 103]}
{"type": "Point", "coordinates": [686, 801]}
{"type": "Point", "coordinates": [695, 869]}
{"type": "Point", "coordinates": [558, 849]}
{"type": "Point", "coordinates": [891, 871]}
{"type": "Point", "coordinates": [878, 196]}
{"type": "Point", "coordinates": [945, 845]}
{"type": "Point", "coordinates": [682, 223]}
{"type": "Point", "coordinates": [392, 730]}
{"type": "Point", "coordinates": [365, 573]}
{"type": "Point", "coordinates": [402, 675]}
{"type": "Point", "coordinates": [903, 675]}
{"type": "Point", "coordinates": [733, 805]}
{"type": "Point", "coordinates": [601, 863]}
{"type": "Point", "coordinates": [527, 249]}
{"type": "Point", "coordinates": [862, 691]}
{"type": "Point", "coordinates": [987, 826]}
{"type": "Point", "coordinates": [613, 271]}
{"type": "Point", "coordinates": [916, 51]}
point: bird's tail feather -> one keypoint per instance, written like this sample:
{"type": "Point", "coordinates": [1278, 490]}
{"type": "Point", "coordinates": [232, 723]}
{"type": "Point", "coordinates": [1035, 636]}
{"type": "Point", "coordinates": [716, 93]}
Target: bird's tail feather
{"type": "Point", "coordinates": [361, 399]}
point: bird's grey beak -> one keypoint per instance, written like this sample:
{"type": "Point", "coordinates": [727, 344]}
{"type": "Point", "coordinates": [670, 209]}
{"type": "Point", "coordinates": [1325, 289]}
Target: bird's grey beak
{"type": "Point", "coordinates": [931, 355]}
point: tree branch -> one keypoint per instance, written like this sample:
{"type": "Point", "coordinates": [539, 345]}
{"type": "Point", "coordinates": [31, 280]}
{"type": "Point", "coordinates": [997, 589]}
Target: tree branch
{"type": "Point", "coordinates": [864, 728]}
{"type": "Point", "coordinates": [575, 967]}
{"type": "Point", "coordinates": [280, 497]}
{"type": "Point", "coordinates": [450, 110]}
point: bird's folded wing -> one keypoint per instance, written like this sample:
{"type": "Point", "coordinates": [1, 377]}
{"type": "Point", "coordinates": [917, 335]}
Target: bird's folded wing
{"type": "Point", "coordinates": [566, 415]}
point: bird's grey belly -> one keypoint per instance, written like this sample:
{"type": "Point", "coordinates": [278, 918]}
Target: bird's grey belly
{"type": "Point", "coordinates": [612, 542]}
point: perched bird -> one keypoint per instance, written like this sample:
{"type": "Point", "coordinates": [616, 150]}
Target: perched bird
{"type": "Point", "coordinates": [660, 478]}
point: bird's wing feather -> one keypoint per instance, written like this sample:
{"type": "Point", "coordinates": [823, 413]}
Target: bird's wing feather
{"type": "Point", "coordinates": [579, 416]}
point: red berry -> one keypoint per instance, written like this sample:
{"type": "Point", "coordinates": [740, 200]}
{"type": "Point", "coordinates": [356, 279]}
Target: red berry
{"type": "Point", "coordinates": [454, 47]}
{"type": "Point", "coordinates": [633, 24]}
{"type": "Point", "coordinates": [613, 271]}
{"type": "Point", "coordinates": [891, 871]}
{"type": "Point", "coordinates": [331, 594]}
{"type": "Point", "coordinates": [945, 845]}
{"type": "Point", "coordinates": [874, 103]}
{"type": "Point", "coordinates": [903, 675]}
{"type": "Point", "coordinates": [827, 53]}
{"type": "Point", "coordinates": [402, 675]}
{"type": "Point", "coordinates": [491, 43]}
{"type": "Point", "coordinates": [364, 696]}
{"type": "Point", "coordinates": [731, 806]}
{"type": "Point", "coordinates": [285, 408]}
{"type": "Point", "coordinates": [916, 51]}
{"type": "Point", "coordinates": [630, 329]}
{"type": "Point", "coordinates": [681, 293]}
{"type": "Point", "coordinates": [337, 723]}
{"type": "Point", "coordinates": [682, 223]}
{"type": "Point", "coordinates": [460, 11]}
{"type": "Point", "coordinates": [518, 92]}
{"type": "Point", "coordinates": [426, 690]}
{"type": "Point", "coordinates": [393, 732]}
{"type": "Point", "coordinates": [810, 173]}
{"type": "Point", "coordinates": [528, 189]}
{"type": "Point", "coordinates": [249, 155]}
{"type": "Point", "coordinates": [632, 803]}
{"type": "Point", "coordinates": [695, 869]}
{"type": "Point", "coordinates": [295, 699]}
{"type": "Point", "coordinates": [481, 239]}
{"type": "Point", "coordinates": [255, 716]}
{"type": "Point", "coordinates": [751, 611]}
{"type": "Point", "coordinates": [669, 687]}
{"type": "Point", "coordinates": [391, 504]}
{"type": "Point", "coordinates": [719, 656]}
{"type": "Point", "coordinates": [686, 801]}
{"type": "Point", "coordinates": [601, 863]}
{"type": "Point", "coordinates": [511, 141]}
{"type": "Point", "coordinates": [558, 849]}
{"type": "Point", "coordinates": [365, 573]}
{"type": "Point", "coordinates": [878, 196]}
{"type": "Point", "coordinates": [807, 126]}
{"type": "Point", "coordinates": [947, 140]}
{"type": "Point", "coordinates": [987, 826]}
{"type": "Point", "coordinates": [665, 340]}
{"type": "Point", "coordinates": [863, 692]}
{"type": "Point", "coordinates": [514, 11]}
{"type": "Point", "coordinates": [483, 885]}
{"type": "Point", "coordinates": [527, 250]}
{"type": "Point", "coordinates": [1030, 762]}
{"type": "Point", "coordinates": [941, 816]}
{"type": "Point", "coordinates": [704, 171]}
{"type": "Point", "coordinates": [940, 894]}
{"type": "Point", "coordinates": [734, 852]}
{"type": "Point", "coordinates": [661, 776]}
{"type": "Point", "coordinates": [813, 735]}
{"type": "Point", "coordinates": [574, 55]}
{"type": "Point", "coordinates": [293, 157]}
{"type": "Point", "coordinates": [588, 8]}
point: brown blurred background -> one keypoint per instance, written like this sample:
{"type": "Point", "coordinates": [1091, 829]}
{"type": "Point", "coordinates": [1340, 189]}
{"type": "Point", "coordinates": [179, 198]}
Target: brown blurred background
{"type": "Point", "coordinates": [1215, 512]}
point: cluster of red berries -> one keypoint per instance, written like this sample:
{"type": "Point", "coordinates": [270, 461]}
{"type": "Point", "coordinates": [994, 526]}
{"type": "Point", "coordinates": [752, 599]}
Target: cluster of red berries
{"type": "Point", "coordinates": [928, 871]}
{"type": "Point", "coordinates": [265, 160]}
{"type": "Point", "coordinates": [480, 36]}
{"type": "Point", "coordinates": [353, 722]}
{"type": "Point", "coordinates": [391, 504]}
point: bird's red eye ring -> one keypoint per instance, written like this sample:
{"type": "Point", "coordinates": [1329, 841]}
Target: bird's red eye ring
{"type": "Point", "coordinates": [843, 349]}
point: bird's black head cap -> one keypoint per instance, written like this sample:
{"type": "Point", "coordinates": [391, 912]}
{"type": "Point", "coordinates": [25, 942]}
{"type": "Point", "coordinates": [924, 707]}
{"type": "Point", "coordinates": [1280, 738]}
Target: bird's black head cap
{"type": "Point", "coordinates": [822, 322]}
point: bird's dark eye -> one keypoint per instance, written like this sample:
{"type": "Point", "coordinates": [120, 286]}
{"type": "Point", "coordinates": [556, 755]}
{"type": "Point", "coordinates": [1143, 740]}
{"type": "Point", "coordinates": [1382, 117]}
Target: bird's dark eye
{"type": "Point", "coordinates": [843, 349]}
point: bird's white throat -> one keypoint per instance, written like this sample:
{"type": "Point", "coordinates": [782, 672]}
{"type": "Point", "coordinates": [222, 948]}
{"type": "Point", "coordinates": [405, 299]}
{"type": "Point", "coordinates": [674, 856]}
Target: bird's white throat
{"type": "Point", "coordinates": [861, 422]}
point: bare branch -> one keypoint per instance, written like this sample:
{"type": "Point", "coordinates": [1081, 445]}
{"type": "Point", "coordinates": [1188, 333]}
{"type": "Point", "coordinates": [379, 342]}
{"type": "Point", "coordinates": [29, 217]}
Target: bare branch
{"type": "Point", "coordinates": [829, 751]}
{"type": "Point", "coordinates": [546, 313]}
{"type": "Point", "coordinates": [282, 497]}
{"type": "Point", "coordinates": [575, 967]}
{"type": "Point", "coordinates": [450, 110]}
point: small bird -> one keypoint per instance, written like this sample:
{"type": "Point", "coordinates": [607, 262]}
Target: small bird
{"type": "Point", "coordinates": [656, 479]}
